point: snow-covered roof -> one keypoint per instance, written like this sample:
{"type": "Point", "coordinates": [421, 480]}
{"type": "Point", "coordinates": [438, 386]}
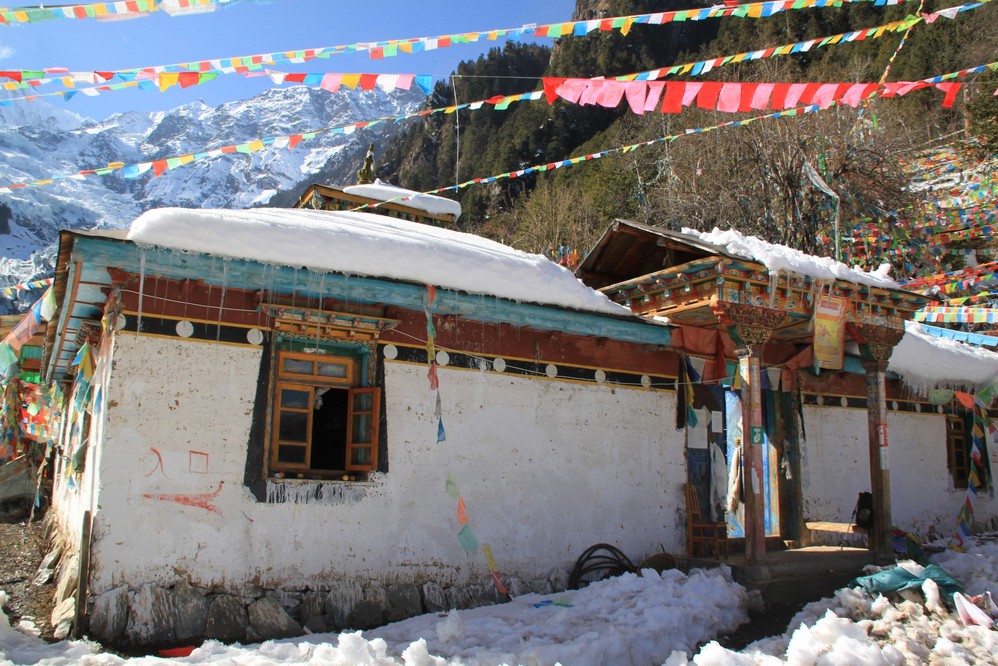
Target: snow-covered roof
{"type": "Point", "coordinates": [783, 259]}
{"type": "Point", "coordinates": [924, 361]}
{"type": "Point", "coordinates": [383, 191]}
{"type": "Point", "coordinates": [357, 243]}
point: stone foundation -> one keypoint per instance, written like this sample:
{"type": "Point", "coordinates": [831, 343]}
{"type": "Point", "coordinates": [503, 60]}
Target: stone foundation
{"type": "Point", "coordinates": [150, 617]}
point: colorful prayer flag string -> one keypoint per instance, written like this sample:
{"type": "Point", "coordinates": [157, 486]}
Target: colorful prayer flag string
{"type": "Point", "coordinates": [108, 11]}
{"type": "Point", "coordinates": [978, 477]}
{"type": "Point", "coordinates": [15, 289]}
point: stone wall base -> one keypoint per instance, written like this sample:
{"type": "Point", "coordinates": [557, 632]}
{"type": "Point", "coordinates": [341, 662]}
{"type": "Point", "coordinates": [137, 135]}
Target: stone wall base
{"type": "Point", "coordinates": [149, 617]}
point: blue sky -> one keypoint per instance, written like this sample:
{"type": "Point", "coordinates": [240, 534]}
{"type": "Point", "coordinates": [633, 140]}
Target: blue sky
{"type": "Point", "coordinates": [252, 27]}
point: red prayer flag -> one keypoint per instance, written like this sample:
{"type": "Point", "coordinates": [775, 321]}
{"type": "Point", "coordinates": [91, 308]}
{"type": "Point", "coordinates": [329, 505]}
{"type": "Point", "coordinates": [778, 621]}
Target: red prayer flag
{"type": "Point", "coordinates": [551, 85]}
{"type": "Point", "coordinates": [707, 97]}
{"type": "Point", "coordinates": [673, 101]}
{"type": "Point", "coordinates": [462, 514]}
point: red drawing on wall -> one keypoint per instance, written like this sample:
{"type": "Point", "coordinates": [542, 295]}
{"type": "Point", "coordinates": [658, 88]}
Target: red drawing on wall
{"type": "Point", "coordinates": [159, 463]}
{"type": "Point", "coordinates": [198, 462]}
{"type": "Point", "coordinates": [201, 500]}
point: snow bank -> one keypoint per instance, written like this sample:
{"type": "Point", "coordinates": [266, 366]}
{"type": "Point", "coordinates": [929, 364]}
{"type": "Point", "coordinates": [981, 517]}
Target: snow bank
{"type": "Point", "coordinates": [854, 628]}
{"type": "Point", "coordinates": [372, 245]}
{"type": "Point", "coordinates": [782, 259]}
{"type": "Point", "coordinates": [625, 620]}
{"type": "Point", "coordinates": [924, 361]}
{"type": "Point", "coordinates": [383, 191]}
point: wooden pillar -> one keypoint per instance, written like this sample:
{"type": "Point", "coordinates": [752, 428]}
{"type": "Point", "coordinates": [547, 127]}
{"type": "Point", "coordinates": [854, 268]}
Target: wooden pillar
{"type": "Point", "coordinates": [876, 344]}
{"type": "Point", "coordinates": [750, 328]}
{"type": "Point", "coordinates": [880, 473]}
{"type": "Point", "coordinates": [749, 367]}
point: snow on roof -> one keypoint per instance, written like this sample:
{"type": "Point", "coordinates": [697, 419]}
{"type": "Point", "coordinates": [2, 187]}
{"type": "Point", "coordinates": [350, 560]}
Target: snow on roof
{"type": "Point", "coordinates": [383, 191]}
{"type": "Point", "coordinates": [783, 259]}
{"type": "Point", "coordinates": [358, 243]}
{"type": "Point", "coordinates": [924, 362]}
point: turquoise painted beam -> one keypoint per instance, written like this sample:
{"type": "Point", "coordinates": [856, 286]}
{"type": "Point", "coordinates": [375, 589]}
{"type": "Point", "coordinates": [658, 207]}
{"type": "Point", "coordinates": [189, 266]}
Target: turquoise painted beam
{"type": "Point", "coordinates": [246, 274]}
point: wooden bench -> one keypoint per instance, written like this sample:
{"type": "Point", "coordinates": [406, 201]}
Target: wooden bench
{"type": "Point", "coordinates": [841, 528]}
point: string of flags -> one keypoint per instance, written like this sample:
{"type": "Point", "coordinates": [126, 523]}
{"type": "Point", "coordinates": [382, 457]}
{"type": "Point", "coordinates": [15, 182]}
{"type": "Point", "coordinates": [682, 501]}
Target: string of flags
{"type": "Point", "coordinates": [108, 11]}
{"type": "Point", "coordinates": [500, 103]}
{"type": "Point", "coordinates": [163, 77]}
{"type": "Point", "coordinates": [977, 472]}
{"type": "Point", "coordinates": [465, 535]}
{"type": "Point", "coordinates": [957, 315]}
{"type": "Point", "coordinates": [42, 310]}
{"type": "Point", "coordinates": [958, 277]}
{"type": "Point", "coordinates": [729, 97]}
{"type": "Point", "coordinates": [15, 290]}
{"type": "Point", "coordinates": [330, 82]}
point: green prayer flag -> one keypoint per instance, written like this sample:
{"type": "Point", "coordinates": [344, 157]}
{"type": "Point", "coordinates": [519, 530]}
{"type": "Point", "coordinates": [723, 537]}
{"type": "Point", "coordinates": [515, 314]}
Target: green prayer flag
{"type": "Point", "coordinates": [467, 538]}
{"type": "Point", "coordinates": [451, 486]}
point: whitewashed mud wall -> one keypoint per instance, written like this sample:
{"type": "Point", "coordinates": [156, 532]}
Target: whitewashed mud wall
{"type": "Point", "coordinates": [546, 469]}
{"type": "Point", "coordinates": [73, 497]}
{"type": "Point", "coordinates": [835, 468]}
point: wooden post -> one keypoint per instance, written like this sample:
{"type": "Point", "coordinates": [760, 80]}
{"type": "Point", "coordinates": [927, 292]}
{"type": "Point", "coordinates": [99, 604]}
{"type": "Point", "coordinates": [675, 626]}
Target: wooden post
{"type": "Point", "coordinates": [881, 538]}
{"type": "Point", "coordinates": [876, 344]}
{"type": "Point", "coordinates": [749, 367]}
{"type": "Point", "coordinates": [750, 327]}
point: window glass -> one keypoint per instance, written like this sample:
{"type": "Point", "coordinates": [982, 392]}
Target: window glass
{"type": "Point", "coordinates": [298, 366]}
{"type": "Point", "coordinates": [294, 427]}
{"type": "Point", "coordinates": [360, 456]}
{"type": "Point", "coordinates": [327, 369]}
{"type": "Point", "coordinates": [295, 399]}
{"type": "Point", "coordinates": [293, 455]}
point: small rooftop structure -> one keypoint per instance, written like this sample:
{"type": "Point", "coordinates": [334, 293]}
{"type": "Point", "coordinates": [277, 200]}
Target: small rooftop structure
{"type": "Point", "coordinates": [384, 199]}
{"type": "Point", "coordinates": [683, 276]}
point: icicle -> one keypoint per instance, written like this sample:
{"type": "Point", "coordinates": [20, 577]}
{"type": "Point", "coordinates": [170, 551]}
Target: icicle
{"type": "Point", "coordinates": [774, 280]}
{"type": "Point", "coordinates": [221, 301]}
{"type": "Point", "coordinates": [142, 288]}
{"type": "Point", "coordinates": [322, 293]}
{"type": "Point", "coordinates": [314, 492]}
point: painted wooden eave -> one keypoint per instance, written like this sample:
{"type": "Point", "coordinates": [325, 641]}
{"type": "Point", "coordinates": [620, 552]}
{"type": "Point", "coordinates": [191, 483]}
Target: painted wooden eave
{"type": "Point", "coordinates": [98, 251]}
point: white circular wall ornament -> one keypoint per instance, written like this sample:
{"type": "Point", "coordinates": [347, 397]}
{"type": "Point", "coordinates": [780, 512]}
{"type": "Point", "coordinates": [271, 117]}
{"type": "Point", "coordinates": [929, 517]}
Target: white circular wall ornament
{"type": "Point", "coordinates": [844, 401]}
{"type": "Point", "coordinates": [939, 408]}
{"type": "Point", "coordinates": [120, 322]}
{"type": "Point", "coordinates": [600, 376]}
{"type": "Point", "coordinates": [894, 405]}
{"type": "Point", "coordinates": [646, 381]}
{"type": "Point", "coordinates": [254, 336]}
{"type": "Point", "coordinates": [443, 358]}
{"type": "Point", "coordinates": [551, 370]}
{"type": "Point", "coordinates": [185, 329]}
{"type": "Point", "coordinates": [819, 400]}
{"type": "Point", "coordinates": [498, 364]}
{"type": "Point", "coordinates": [391, 352]}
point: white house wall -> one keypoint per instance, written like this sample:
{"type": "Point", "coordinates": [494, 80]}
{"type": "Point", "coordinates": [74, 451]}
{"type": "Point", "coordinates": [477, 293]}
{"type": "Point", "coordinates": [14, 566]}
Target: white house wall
{"type": "Point", "coordinates": [835, 467]}
{"type": "Point", "coordinates": [545, 468]}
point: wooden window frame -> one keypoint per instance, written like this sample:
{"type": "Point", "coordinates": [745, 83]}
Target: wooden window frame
{"type": "Point", "coordinates": [286, 379]}
{"type": "Point", "coordinates": [958, 446]}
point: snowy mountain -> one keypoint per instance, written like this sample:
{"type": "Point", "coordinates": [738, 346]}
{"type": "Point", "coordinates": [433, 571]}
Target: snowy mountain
{"type": "Point", "coordinates": [38, 141]}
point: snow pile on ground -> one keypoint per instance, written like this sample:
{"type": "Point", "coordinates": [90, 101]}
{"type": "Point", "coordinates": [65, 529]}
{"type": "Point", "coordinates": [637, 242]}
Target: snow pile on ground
{"type": "Point", "coordinates": [924, 361]}
{"type": "Point", "coordinates": [357, 243]}
{"type": "Point", "coordinates": [625, 620]}
{"type": "Point", "coordinates": [383, 191]}
{"type": "Point", "coordinates": [854, 628]}
{"type": "Point", "coordinates": [783, 259]}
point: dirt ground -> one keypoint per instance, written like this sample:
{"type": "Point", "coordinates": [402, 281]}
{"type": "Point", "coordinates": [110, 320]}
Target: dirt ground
{"type": "Point", "coordinates": [22, 547]}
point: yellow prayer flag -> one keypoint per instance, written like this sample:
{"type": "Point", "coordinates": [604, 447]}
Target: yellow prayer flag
{"type": "Point", "coordinates": [168, 80]}
{"type": "Point", "coordinates": [350, 81]}
{"type": "Point", "coordinates": [490, 559]}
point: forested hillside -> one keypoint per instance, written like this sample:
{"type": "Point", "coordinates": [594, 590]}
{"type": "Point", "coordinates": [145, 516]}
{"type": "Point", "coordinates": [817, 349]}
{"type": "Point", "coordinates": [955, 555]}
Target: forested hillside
{"type": "Point", "coordinates": [752, 176]}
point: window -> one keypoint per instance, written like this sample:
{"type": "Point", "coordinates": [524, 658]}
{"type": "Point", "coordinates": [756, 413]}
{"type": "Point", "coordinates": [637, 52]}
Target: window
{"type": "Point", "coordinates": [324, 420]}
{"type": "Point", "coordinates": [958, 434]}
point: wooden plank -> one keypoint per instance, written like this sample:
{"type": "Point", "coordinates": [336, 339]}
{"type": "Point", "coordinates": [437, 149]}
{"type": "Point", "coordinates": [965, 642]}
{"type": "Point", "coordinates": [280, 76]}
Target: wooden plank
{"type": "Point", "coordinates": [844, 528]}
